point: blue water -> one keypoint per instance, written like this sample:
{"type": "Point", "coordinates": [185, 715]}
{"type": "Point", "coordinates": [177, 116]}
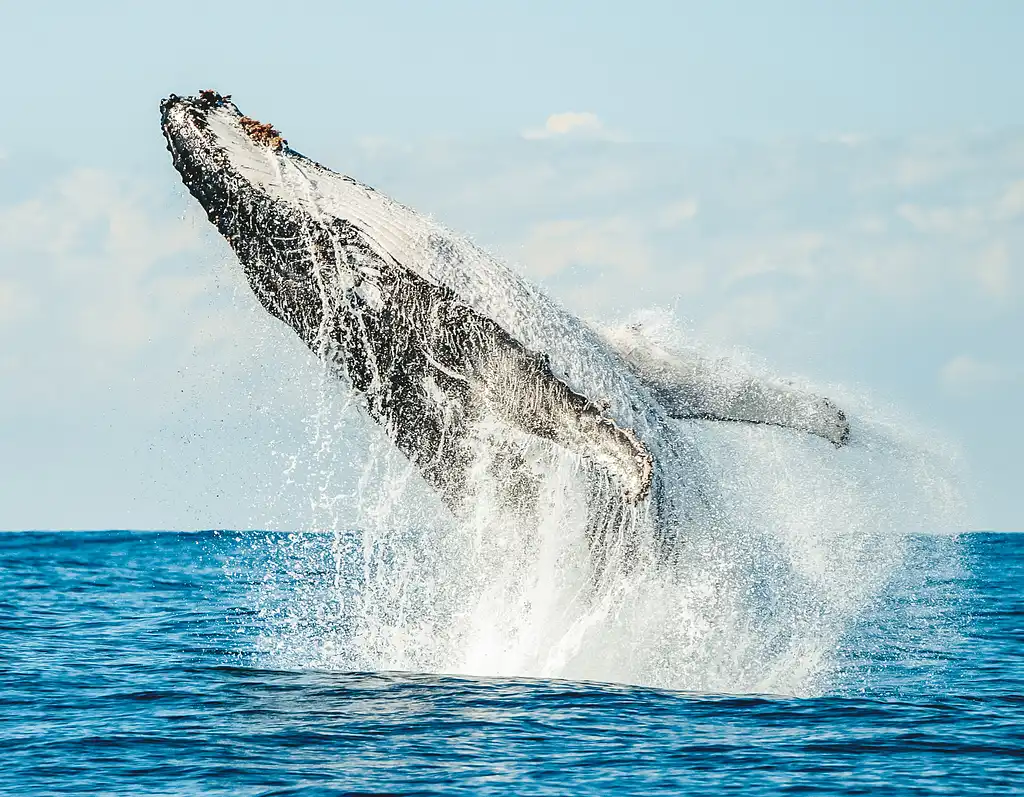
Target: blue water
{"type": "Point", "coordinates": [134, 663]}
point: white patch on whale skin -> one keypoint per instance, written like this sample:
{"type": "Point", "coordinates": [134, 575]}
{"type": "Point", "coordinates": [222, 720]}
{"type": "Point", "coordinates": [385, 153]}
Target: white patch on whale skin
{"type": "Point", "coordinates": [434, 392]}
{"type": "Point", "coordinates": [257, 164]}
{"type": "Point", "coordinates": [371, 294]}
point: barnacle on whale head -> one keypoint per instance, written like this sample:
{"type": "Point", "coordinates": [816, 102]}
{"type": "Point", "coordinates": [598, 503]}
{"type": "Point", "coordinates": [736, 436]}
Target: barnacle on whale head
{"type": "Point", "coordinates": [262, 133]}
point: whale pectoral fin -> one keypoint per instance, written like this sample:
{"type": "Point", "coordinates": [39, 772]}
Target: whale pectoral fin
{"type": "Point", "coordinates": [517, 387]}
{"type": "Point", "coordinates": [523, 391]}
{"type": "Point", "coordinates": [689, 386]}
{"type": "Point", "coordinates": [752, 401]}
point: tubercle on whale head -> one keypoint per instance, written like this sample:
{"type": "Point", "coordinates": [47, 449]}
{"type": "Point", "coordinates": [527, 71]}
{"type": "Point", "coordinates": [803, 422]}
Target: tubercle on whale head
{"type": "Point", "coordinates": [213, 98]}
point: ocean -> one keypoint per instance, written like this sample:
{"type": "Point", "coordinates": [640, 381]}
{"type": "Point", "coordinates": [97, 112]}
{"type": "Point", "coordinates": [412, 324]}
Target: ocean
{"type": "Point", "coordinates": [173, 663]}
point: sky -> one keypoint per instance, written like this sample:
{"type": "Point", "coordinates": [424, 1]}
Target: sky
{"type": "Point", "coordinates": [833, 190]}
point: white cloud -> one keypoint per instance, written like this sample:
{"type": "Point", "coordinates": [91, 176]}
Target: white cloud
{"type": "Point", "coordinates": [744, 317]}
{"type": "Point", "coordinates": [993, 271]}
{"type": "Point", "coordinates": [569, 123]}
{"type": "Point", "coordinates": [1011, 204]}
{"type": "Point", "coordinates": [676, 213]}
{"type": "Point", "coordinates": [965, 376]}
{"type": "Point", "coordinates": [121, 275]}
{"type": "Point", "coordinates": [923, 162]}
{"type": "Point", "coordinates": [814, 228]}
{"type": "Point", "coordinates": [943, 220]}
{"type": "Point", "coordinates": [17, 302]}
{"type": "Point", "coordinates": [614, 243]}
{"type": "Point", "coordinates": [846, 139]}
{"type": "Point", "coordinates": [966, 219]}
{"type": "Point", "coordinates": [792, 253]}
{"type": "Point", "coordinates": [895, 269]}
{"type": "Point", "coordinates": [851, 139]}
{"type": "Point", "coordinates": [382, 146]}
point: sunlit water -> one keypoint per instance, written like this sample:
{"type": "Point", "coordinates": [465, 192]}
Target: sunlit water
{"type": "Point", "coordinates": [154, 663]}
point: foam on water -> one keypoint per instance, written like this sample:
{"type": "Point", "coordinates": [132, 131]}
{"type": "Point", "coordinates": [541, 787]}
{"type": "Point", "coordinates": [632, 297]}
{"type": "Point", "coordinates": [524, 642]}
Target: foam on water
{"type": "Point", "coordinates": [807, 538]}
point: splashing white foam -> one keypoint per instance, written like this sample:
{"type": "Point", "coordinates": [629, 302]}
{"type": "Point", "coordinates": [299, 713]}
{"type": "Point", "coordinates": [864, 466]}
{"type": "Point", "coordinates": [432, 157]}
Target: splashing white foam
{"type": "Point", "coordinates": [809, 537]}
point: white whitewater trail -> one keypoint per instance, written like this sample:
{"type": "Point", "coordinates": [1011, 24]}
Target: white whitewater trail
{"type": "Point", "coordinates": [809, 539]}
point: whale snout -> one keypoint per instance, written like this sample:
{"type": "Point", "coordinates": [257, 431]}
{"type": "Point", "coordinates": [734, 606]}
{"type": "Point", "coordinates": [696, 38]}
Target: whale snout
{"type": "Point", "coordinates": [205, 99]}
{"type": "Point", "coordinates": [178, 113]}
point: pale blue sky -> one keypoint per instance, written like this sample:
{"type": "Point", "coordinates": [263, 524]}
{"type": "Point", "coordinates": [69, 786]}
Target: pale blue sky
{"type": "Point", "coordinates": [680, 71]}
{"type": "Point", "coordinates": [835, 188]}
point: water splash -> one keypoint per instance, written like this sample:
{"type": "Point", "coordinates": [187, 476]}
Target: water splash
{"type": "Point", "coordinates": [808, 538]}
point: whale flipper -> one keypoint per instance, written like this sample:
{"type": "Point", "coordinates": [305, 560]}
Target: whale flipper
{"type": "Point", "coordinates": [521, 389]}
{"type": "Point", "coordinates": [690, 386]}
{"type": "Point", "coordinates": [463, 368]}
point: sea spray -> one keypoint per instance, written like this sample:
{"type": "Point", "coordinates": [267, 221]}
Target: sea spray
{"type": "Point", "coordinates": [806, 538]}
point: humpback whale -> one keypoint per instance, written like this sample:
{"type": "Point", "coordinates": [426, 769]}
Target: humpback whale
{"type": "Point", "coordinates": [462, 362]}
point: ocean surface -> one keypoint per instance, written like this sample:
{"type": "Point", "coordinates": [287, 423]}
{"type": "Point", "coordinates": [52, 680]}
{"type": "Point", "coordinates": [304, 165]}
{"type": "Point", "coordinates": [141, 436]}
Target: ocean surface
{"type": "Point", "coordinates": [153, 663]}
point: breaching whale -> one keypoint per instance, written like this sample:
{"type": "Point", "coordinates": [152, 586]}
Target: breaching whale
{"type": "Point", "coordinates": [462, 362]}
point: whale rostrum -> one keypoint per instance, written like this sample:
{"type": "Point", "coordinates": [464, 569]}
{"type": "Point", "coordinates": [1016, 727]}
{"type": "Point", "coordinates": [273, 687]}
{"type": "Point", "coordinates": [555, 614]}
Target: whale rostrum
{"type": "Point", "coordinates": [452, 351]}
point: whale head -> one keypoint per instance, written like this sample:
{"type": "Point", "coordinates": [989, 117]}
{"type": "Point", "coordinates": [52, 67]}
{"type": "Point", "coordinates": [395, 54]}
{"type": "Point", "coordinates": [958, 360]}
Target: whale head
{"type": "Point", "coordinates": [229, 163]}
{"type": "Point", "coordinates": [264, 198]}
